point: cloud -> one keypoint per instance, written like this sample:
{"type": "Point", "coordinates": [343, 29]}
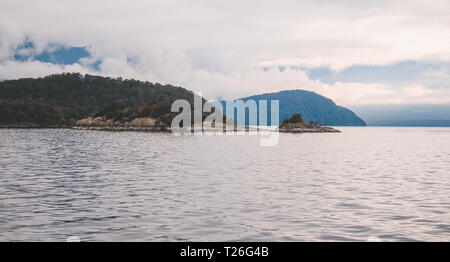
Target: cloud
{"type": "Point", "coordinates": [17, 69]}
{"type": "Point", "coordinates": [221, 47]}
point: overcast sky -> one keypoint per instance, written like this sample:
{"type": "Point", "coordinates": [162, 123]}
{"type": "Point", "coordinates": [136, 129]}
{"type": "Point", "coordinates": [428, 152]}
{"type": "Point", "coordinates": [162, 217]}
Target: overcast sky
{"type": "Point", "coordinates": [354, 52]}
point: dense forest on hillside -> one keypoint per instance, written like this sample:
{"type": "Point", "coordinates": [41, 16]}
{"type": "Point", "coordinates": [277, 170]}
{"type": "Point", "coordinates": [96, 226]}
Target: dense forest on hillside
{"type": "Point", "coordinates": [61, 99]}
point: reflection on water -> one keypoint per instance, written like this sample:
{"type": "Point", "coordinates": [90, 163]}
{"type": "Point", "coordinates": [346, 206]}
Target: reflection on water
{"type": "Point", "coordinates": [389, 183]}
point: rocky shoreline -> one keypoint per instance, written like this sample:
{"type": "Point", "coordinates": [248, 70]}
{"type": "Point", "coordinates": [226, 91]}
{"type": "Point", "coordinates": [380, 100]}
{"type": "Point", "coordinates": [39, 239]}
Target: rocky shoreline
{"type": "Point", "coordinates": [168, 130]}
{"type": "Point", "coordinates": [148, 124]}
{"type": "Point", "coordinates": [122, 128]}
{"type": "Point", "coordinates": [322, 129]}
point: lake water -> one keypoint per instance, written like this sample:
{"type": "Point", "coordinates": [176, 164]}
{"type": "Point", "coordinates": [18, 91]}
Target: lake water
{"type": "Point", "coordinates": [391, 184]}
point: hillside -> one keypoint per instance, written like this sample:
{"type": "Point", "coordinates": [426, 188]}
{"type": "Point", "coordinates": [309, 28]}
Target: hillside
{"type": "Point", "coordinates": [311, 106]}
{"type": "Point", "coordinates": [62, 99]}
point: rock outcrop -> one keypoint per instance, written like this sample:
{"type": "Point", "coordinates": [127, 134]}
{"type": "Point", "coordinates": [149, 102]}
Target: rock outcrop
{"type": "Point", "coordinates": [295, 124]}
{"type": "Point", "coordinates": [138, 124]}
{"type": "Point", "coordinates": [306, 128]}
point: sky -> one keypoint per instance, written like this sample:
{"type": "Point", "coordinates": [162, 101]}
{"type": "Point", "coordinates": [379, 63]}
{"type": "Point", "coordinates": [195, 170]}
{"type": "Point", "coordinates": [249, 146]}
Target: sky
{"type": "Point", "coordinates": [354, 52]}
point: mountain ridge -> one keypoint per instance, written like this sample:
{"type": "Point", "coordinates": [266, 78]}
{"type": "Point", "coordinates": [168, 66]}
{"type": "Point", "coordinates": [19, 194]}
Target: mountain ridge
{"type": "Point", "coordinates": [312, 107]}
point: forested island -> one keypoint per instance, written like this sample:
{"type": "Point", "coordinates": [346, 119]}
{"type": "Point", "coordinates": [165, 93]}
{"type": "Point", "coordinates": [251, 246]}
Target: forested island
{"type": "Point", "coordinates": [61, 100]}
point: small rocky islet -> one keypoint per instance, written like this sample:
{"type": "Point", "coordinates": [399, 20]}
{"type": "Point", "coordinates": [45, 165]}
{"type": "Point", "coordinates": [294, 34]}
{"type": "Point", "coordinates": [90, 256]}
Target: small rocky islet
{"type": "Point", "coordinates": [295, 124]}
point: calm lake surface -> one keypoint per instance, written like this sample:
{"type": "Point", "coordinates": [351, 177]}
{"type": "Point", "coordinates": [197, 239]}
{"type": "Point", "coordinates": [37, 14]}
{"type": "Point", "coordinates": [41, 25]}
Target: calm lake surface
{"type": "Point", "coordinates": [388, 183]}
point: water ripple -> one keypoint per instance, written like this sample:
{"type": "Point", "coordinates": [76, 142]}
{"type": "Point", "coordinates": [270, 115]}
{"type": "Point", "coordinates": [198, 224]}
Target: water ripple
{"type": "Point", "coordinates": [391, 184]}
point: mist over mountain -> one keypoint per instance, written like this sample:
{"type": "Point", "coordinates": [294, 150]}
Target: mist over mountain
{"type": "Point", "coordinates": [405, 115]}
{"type": "Point", "coordinates": [312, 107]}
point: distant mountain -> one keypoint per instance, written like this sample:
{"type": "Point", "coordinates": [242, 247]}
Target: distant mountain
{"type": "Point", "coordinates": [405, 115]}
{"type": "Point", "coordinates": [311, 106]}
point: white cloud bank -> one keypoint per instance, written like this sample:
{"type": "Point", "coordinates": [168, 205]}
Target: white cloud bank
{"type": "Point", "coordinates": [220, 47]}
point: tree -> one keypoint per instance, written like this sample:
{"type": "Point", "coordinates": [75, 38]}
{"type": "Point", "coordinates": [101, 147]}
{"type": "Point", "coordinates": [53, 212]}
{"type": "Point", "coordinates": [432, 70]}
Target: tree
{"type": "Point", "coordinates": [296, 118]}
